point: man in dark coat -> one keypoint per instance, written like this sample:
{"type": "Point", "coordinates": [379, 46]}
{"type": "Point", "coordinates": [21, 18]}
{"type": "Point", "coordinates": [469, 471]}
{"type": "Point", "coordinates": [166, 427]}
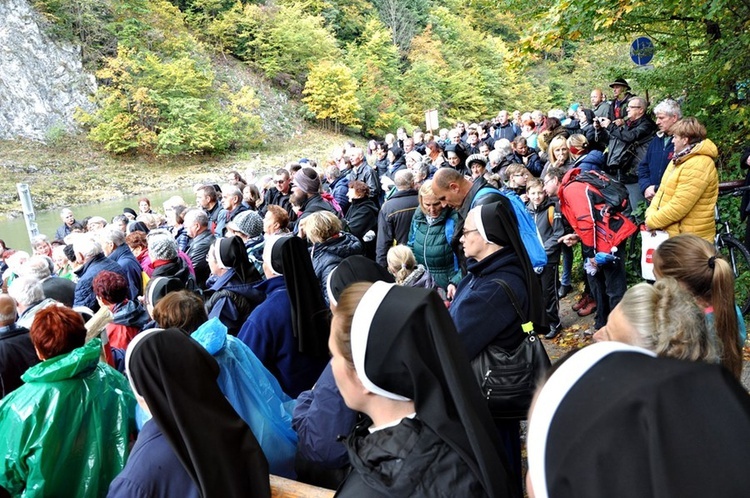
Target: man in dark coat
{"type": "Point", "coordinates": [208, 199]}
{"type": "Point", "coordinates": [196, 224]}
{"type": "Point", "coordinates": [660, 150]}
{"type": "Point", "coordinates": [68, 220]}
{"type": "Point", "coordinates": [395, 216]}
{"type": "Point", "coordinates": [279, 195]}
{"type": "Point", "coordinates": [90, 253]}
{"type": "Point", "coordinates": [17, 353]}
{"type": "Point", "coordinates": [113, 244]}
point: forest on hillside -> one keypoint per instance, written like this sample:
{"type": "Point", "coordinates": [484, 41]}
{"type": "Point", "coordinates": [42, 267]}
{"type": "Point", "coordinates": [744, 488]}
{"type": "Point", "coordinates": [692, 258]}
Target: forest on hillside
{"type": "Point", "coordinates": [371, 66]}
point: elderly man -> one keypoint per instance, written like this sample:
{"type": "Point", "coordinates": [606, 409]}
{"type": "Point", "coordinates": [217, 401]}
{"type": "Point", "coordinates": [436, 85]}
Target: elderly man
{"type": "Point", "coordinates": [231, 201]}
{"type": "Point", "coordinates": [68, 219]}
{"type": "Point", "coordinates": [363, 172]}
{"type": "Point", "coordinates": [17, 353]}
{"type": "Point", "coordinates": [279, 195]}
{"type": "Point", "coordinates": [628, 141]}
{"type": "Point", "coordinates": [618, 106]}
{"type": "Point", "coordinates": [196, 225]}
{"type": "Point", "coordinates": [61, 290]}
{"type": "Point", "coordinates": [28, 293]}
{"type": "Point", "coordinates": [395, 216]}
{"type": "Point", "coordinates": [660, 149]}
{"type": "Point", "coordinates": [113, 244]}
{"type": "Point", "coordinates": [90, 255]}
{"type": "Point", "coordinates": [207, 199]}
{"type": "Point", "coordinates": [598, 104]}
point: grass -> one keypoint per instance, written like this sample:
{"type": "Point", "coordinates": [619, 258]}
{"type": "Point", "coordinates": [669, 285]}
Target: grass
{"type": "Point", "coordinates": [74, 172]}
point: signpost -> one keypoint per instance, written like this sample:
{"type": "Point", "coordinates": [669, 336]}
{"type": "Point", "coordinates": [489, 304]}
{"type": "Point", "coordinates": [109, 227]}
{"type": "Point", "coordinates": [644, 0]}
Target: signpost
{"type": "Point", "coordinates": [642, 51]}
{"type": "Point", "coordinates": [431, 120]}
{"type": "Point", "coordinates": [28, 209]}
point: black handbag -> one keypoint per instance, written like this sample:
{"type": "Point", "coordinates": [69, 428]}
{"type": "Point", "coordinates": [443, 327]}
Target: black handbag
{"type": "Point", "coordinates": [508, 378]}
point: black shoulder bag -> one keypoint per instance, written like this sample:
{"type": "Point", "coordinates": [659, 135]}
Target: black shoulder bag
{"type": "Point", "coordinates": [508, 378]}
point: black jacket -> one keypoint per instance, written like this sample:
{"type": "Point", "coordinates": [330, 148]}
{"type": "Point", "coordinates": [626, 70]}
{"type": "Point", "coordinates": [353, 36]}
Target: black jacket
{"type": "Point", "coordinates": [275, 197]}
{"type": "Point", "coordinates": [394, 222]}
{"type": "Point", "coordinates": [327, 255]}
{"type": "Point", "coordinates": [406, 460]}
{"type": "Point", "coordinates": [17, 354]}
{"type": "Point", "coordinates": [178, 269]}
{"type": "Point", "coordinates": [361, 218]}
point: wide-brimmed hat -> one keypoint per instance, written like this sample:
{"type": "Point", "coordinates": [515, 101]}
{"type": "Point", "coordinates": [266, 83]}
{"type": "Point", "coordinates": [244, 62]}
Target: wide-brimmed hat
{"type": "Point", "coordinates": [620, 82]}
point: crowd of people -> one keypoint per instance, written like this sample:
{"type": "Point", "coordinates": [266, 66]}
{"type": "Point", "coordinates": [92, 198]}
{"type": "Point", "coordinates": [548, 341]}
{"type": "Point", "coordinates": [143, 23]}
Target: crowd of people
{"type": "Point", "coordinates": [331, 317]}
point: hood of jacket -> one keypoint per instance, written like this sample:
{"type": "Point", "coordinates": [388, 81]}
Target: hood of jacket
{"type": "Point", "coordinates": [704, 148]}
{"type": "Point", "coordinates": [342, 246]}
{"type": "Point", "coordinates": [81, 361]}
{"type": "Point", "coordinates": [130, 314]}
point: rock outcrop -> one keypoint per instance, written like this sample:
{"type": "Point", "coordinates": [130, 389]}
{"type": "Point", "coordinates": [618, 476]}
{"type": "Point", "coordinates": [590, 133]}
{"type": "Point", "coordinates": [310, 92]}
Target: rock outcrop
{"type": "Point", "coordinates": [42, 80]}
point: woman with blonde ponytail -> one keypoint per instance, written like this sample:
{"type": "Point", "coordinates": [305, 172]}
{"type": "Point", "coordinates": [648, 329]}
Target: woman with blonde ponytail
{"type": "Point", "coordinates": [694, 263]}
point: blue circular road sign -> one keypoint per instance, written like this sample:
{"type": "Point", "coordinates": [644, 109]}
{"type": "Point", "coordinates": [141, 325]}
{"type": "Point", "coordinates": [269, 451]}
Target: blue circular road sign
{"type": "Point", "coordinates": [642, 50]}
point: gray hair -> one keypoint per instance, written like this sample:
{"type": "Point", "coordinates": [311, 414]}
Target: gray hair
{"type": "Point", "coordinates": [504, 147]}
{"type": "Point", "coordinates": [404, 179]}
{"type": "Point", "coordinates": [495, 157]}
{"type": "Point", "coordinates": [111, 234]}
{"type": "Point", "coordinates": [86, 246]}
{"type": "Point", "coordinates": [669, 107]}
{"type": "Point", "coordinates": [26, 290]}
{"type": "Point", "coordinates": [196, 215]}
{"type": "Point", "coordinates": [668, 321]}
{"type": "Point", "coordinates": [641, 102]}
{"type": "Point", "coordinates": [333, 172]}
{"type": "Point", "coordinates": [39, 240]}
{"type": "Point", "coordinates": [231, 191]}
{"type": "Point", "coordinates": [38, 267]}
{"type": "Point", "coordinates": [556, 113]}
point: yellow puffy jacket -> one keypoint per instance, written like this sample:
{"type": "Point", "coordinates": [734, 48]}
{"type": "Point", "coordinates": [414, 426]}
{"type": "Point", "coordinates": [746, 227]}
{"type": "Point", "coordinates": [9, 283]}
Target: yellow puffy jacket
{"type": "Point", "coordinates": [687, 195]}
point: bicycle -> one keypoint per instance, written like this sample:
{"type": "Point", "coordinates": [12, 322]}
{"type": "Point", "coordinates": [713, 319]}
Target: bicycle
{"type": "Point", "coordinates": [732, 249]}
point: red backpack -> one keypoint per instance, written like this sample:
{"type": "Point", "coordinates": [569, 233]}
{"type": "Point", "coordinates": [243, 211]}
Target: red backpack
{"type": "Point", "coordinates": [597, 207]}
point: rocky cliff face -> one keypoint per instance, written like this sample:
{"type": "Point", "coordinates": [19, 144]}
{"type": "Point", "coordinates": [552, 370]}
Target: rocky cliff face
{"type": "Point", "coordinates": [41, 80]}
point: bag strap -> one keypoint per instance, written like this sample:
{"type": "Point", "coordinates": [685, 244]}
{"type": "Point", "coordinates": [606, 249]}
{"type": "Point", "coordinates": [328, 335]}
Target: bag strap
{"type": "Point", "coordinates": [526, 325]}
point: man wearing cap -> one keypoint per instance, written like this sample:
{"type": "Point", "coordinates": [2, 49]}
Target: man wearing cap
{"type": "Point", "coordinates": [279, 195]}
{"type": "Point", "coordinates": [306, 194]}
{"type": "Point", "coordinates": [618, 106]}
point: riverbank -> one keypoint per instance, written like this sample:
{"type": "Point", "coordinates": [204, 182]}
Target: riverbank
{"type": "Point", "coordinates": [73, 172]}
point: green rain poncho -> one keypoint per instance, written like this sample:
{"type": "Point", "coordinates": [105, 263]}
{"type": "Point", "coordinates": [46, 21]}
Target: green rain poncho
{"type": "Point", "coordinates": [65, 432]}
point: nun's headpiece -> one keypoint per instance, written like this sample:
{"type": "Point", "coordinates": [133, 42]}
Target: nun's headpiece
{"type": "Point", "coordinates": [405, 347]}
{"type": "Point", "coordinates": [158, 287]}
{"type": "Point", "coordinates": [230, 252]}
{"type": "Point", "coordinates": [613, 420]}
{"type": "Point", "coordinates": [354, 269]}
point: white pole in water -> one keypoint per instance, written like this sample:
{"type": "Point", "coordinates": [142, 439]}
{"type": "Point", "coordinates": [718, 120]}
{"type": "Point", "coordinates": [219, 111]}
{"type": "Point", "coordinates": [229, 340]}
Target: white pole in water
{"type": "Point", "coordinates": [28, 210]}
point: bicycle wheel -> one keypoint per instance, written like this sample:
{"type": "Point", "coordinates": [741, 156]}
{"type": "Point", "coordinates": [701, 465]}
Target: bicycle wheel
{"type": "Point", "coordinates": [738, 257]}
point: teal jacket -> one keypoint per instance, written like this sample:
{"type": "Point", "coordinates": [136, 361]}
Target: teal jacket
{"type": "Point", "coordinates": [65, 432]}
{"type": "Point", "coordinates": [432, 248]}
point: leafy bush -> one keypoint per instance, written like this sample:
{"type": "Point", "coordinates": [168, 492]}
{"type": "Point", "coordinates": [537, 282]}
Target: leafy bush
{"type": "Point", "coordinates": [330, 94]}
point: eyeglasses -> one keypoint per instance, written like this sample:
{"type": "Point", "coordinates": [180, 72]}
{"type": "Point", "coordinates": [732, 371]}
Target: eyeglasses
{"type": "Point", "coordinates": [634, 107]}
{"type": "Point", "coordinates": [464, 232]}
{"type": "Point", "coordinates": [279, 182]}
{"type": "Point", "coordinates": [549, 180]}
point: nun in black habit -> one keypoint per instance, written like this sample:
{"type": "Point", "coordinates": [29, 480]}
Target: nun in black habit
{"type": "Point", "coordinates": [397, 358]}
{"type": "Point", "coordinates": [615, 421]}
{"type": "Point", "coordinates": [195, 444]}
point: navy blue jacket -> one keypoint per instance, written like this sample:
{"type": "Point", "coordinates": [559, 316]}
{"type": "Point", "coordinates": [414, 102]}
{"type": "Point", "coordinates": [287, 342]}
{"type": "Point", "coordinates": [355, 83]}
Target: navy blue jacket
{"type": "Point", "coordinates": [320, 417]}
{"type": "Point", "coordinates": [153, 470]}
{"type": "Point", "coordinates": [594, 160]}
{"type": "Point", "coordinates": [533, 163]}
{"type": "Point", "coordinates": [84, 295]}
{"type": "Point", "coordinates": [132, 268]}
{"type": "Point", "coordinates": [328, 254]}
{"type": "Point", "coordinates": [482, 311]}
{"type": "Point", "coordinates": [221, 305]}
{"type": "Point", "coordinates": [654, 163]}
{"type": "Point", "coordinates": [339, 189]}
{"type": "Point", "coordinates": [269, 333]}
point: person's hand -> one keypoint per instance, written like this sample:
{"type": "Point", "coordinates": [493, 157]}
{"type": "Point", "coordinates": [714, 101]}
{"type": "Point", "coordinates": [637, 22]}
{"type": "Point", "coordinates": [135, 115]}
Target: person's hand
{"type": "Point", "coordinates": [569, 240]}
{"type": "Point", "coordinates": [450, 291]}
{"type": "Point", "coordinates": [524, 198]}
{"type": "Point", "coordinates": [593, 262]}
{"type": "Point", "coordinates": [604, 122]}
{"type": "Point", "coordinates": [649, 193]}
{"type": "Point", "coordinates": [619, 122]}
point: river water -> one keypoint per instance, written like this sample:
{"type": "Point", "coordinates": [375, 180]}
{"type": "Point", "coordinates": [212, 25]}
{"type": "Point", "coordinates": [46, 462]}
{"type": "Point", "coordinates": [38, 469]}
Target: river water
{"type": "Point", "coordinates": [15, 235]}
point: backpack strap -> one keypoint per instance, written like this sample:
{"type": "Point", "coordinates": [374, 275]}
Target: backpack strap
{"type": "Point", "coordinates": [526, 325]}
{"type": "Point", "coordinates": [551, 214]}
{"type": "Point", "coordinates": [482, 192]}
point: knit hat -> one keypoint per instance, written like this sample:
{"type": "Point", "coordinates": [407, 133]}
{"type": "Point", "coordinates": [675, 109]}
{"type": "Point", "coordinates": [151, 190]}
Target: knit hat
{"type": "Point", "coordinates": [476, 158]}
{"type": "Point", "coordinates": [161, 245]}
{"type": "Point", "coordinates": [308, 180]}
{"type": "Point", "coordinates": [247, 223]}
{"type": "Point", "coordinates": [620, 82]}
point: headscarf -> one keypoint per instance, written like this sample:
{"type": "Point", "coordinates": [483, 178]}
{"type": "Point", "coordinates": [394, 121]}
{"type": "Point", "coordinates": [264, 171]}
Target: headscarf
{"type": "Point", "coordinates": [405, 346]}
{"type": "Point", "coordinates": [231, 253]}
{"type": "Point", "coordinates": [307, 184]}
{"type": "Point", "coordinates": [354, 269]}
{"type": "Point", "coordinates": [310, 315]}
{"type": "Point", "coordinates": [215, 446]}
{"type": "Point", "coordinates": [613, 420]}
{"type": "Point", "coordinates": [158, 287]}
{"type": "Point", "coordinates": [136, 226]}
{"type": "Point", "coordinates": [497, 223]}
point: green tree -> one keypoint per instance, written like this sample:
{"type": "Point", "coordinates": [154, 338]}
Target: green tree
{"type": "Point", "coordinates": [331, 94]}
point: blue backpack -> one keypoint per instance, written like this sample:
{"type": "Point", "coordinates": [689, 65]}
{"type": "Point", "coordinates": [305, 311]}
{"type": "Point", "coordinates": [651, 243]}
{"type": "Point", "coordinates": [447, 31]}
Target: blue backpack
{"type": "Point", "coordinates": [526, 226]}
